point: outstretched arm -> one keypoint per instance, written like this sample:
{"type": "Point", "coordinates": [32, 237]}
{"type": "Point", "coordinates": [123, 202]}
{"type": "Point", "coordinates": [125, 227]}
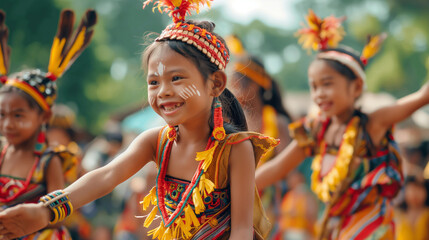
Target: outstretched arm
{"type": "Point", "coordinates": [383, 119]}
{"type": "Point", "coordinates": [242, 172]}
{"type": "Point", "coordinates": [24, 219]}
{"type": "Point", "coordinates": [275, 169]}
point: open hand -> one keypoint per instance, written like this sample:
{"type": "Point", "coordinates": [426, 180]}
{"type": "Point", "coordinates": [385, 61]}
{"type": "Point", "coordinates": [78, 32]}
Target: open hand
{"type": "Point", "coordinates": [22, 220]}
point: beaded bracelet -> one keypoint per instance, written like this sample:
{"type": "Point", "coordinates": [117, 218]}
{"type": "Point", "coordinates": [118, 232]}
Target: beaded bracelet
{"type": "Point", "coordinates": [59, 203]}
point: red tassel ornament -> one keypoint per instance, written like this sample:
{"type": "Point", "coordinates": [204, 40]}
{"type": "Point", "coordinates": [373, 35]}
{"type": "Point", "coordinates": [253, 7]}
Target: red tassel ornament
{"type": "Point", "coordinates": [218, 130]}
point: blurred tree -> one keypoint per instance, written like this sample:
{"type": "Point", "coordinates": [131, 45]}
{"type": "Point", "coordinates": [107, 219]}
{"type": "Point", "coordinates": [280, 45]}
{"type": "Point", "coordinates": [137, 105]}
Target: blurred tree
{"type": "Point", "coordinates": [399, 68]}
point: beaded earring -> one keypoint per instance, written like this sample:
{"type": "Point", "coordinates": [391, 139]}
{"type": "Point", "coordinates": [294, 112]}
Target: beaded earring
{"type": "Point", "coordinates": [218, 130]}
{"type": "Point", "coordinates": [41, 141]}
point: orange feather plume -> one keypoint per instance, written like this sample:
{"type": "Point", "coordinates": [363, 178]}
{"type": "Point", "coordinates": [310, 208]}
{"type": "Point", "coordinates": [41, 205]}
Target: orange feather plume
{"type": "Point", "coordinates": [178, 9]}
{"type": "Point", "coordinates": [321, 33]}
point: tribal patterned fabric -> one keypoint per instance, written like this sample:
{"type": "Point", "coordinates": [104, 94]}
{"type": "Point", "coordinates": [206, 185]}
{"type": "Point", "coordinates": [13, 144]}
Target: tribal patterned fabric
{"type": "Point", "coordinates": [175, 198]}
{"type": "Point", "coordinates": [364, 209]}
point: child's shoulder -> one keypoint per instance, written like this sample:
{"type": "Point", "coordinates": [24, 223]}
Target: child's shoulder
{"type": "Point", "coordinates": [260, 143]}
{"type": "Point", "coordinates": [235, 138]}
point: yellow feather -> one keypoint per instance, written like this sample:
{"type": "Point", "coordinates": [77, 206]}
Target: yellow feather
{"type": "Point", "coordinates": [167, 234]}
{"type": "Point", "coordinates": [207, 156]}
{"type": "Point", "coordinates": [55, 58]}
{"type": "Point", "coordinates": [54, 50]}
{"type": "Point", "coordinates": [373, 46]}
{"type": "Point", "coordinates": [235, 45]}
{"type": "Point", "coordinates": [150, 217]}
{"type": "Point", "coordinates": [191, 217]}
{"type": "Point", "coordinates": [157, 232]}
{"type": "Point", "coordinates": [77, 45]}
{"type": "Point", "coordinates": [206, 186]}
{"type": "Point", "coordinates": [150, 197]}
{"type": "Point", "coordinates": [176, 3]}
{"type": "Point", "coordinates": [184, 229]}
{"type": "Point", "coordinates": [3, 70]}
{"type": "Point", "coordinates": [198, 201]}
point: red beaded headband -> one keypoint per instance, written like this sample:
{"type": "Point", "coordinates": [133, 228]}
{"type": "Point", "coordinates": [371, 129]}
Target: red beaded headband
{"type": "Point", "coordinates": [188, 33]}
{"type": "Point", "coordinates": [206, 42]}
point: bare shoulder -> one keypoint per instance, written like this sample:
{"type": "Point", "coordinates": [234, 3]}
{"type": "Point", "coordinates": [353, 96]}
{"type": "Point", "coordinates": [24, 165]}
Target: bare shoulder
{"type": "Point", "coordinates": [242, 152]}
{"type": "Point", "coordinates": [146, 141]}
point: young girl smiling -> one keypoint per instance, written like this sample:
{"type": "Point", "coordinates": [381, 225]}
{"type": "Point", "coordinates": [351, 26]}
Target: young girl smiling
{"type": "Point", "coordinates": [356, 165]}
{"type": "Point", "coordinates": [28, 168]}
{"type": "Point", "coordinates": [205, 184]}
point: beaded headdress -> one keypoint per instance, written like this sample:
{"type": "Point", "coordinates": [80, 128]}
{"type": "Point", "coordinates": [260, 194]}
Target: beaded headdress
{"type": "Point", "coordinates": [203, 40]}
{"type": "Point", "coordinates": [324, 35]}
{"type": "Point", "coordinates": [65, 50]}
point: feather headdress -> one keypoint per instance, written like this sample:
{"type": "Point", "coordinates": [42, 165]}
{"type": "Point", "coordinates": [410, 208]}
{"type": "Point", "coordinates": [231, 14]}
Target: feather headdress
{"type": "Point", "coordinates": [65, 50]}
{"type": "Point", "coordinates": [372, 47]}
{"type": "Point", "coordinates": [321, 33]}
{"type": "Point", "coordinates": [178, 9]}
{"type": "Point", "coordinates": [324, 35]}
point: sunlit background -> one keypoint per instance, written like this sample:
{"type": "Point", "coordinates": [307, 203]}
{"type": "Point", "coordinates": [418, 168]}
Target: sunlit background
{"type": "Point", "coordinates": [107, 79]}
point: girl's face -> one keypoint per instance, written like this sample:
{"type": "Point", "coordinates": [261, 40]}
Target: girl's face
{"type": "Point", "coordinates": [176, 88]}
{"type": "Point", "coordinates": [333, 93]}
{"type": "Point", "coordinates": [18, 121]}
{"type": "Point", "coordinates": [415, 195]}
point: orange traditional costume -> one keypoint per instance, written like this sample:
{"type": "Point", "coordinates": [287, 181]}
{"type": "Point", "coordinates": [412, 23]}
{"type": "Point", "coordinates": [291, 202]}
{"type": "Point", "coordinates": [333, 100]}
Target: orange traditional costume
{"type": "Point", "coordinates": [359, 187]}
{"type": "Point", "coordinates": [200, 208]}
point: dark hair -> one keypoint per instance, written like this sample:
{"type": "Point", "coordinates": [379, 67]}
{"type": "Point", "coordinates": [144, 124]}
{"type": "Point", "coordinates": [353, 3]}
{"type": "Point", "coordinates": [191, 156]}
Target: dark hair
{"type": "Point", "coordinates": [340, 67]}
{"type": "Point", "coordinates": [232, 111]}
{"type": "Point", "coordinates": [413, 179]}
{"type": "Point", "coordinates": [272, 96]}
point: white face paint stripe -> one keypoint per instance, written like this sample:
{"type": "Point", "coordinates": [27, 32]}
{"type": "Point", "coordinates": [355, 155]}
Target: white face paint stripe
{"type": "Point", "coordinates": [182, 92]}
{"type": "Point", "coordinates": [161, 68]}
{"type": "Point", "coordinates": [198, 92]}
{"type": "Point", "coordinates": [190, 94]}
{"type": "Point", "coordinates": [193, 90]}
{"type": "Point", "coordinates": [183, 96]}
{"type": "Point", "coordinates": [189, 91]}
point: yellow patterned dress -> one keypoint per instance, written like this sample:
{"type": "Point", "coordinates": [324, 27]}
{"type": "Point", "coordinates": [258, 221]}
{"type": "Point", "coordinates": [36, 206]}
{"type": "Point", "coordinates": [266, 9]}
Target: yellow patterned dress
{"type": "Point", "coordinates": [200, 208]}
{"type": "Point", "coordinates": [364, 209]}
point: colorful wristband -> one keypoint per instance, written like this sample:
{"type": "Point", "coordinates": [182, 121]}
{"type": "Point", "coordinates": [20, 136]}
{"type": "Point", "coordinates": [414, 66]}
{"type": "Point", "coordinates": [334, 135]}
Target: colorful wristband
{"type": "Point", "coordinates": [59, 203]}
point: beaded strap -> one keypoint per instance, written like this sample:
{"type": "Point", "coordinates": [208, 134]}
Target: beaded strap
{"type": "Point", "coordinates": [59, 203]}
